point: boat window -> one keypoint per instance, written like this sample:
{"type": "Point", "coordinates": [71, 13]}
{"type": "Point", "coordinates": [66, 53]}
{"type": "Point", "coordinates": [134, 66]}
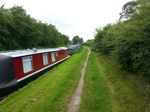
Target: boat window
{"type": "Point", "coordinates": [45, 59]}
{"type": "Point", "coordinates": [27, 64]}
{"type": "Point", "coordinates": [53, 56]}
{"type": "Point", "coordinates": [56, 54]}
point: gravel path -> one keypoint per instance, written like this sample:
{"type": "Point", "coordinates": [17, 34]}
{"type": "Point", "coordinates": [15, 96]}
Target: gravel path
{"type": "Point", "coordinates": [74, 103]}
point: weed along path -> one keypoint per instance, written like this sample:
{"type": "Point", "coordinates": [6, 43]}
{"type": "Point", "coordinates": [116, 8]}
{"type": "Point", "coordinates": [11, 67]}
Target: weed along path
{"type": "Point", "coordinates": [74, 103]}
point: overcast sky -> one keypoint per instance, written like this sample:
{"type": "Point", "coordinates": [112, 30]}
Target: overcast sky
{"type": "Point", "coordinates": [72, 17]}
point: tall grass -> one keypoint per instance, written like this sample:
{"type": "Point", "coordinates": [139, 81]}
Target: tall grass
{"type": "Point", "coordinates": [49, 93]}
{"type": "Point", "coordinates": [106, 90]}
{"type": "Point", "coordinates": [95, 96]}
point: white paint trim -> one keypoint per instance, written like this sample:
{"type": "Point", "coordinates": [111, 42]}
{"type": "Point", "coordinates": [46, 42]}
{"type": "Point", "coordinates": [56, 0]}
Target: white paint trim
{"type": "Point", "coordinates": [41, 70]}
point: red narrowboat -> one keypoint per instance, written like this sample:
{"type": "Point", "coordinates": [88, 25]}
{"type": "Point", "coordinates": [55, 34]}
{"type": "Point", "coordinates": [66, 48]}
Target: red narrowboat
{"type": "Point", "coordinates": [16, 66]}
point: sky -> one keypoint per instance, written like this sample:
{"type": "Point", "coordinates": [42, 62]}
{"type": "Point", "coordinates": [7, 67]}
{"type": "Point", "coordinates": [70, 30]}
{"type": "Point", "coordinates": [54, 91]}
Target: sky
{"type": "Point", "coordinates": [72, 17]}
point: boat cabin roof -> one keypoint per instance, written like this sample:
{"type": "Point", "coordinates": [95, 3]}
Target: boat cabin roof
{"type": "Point", "coordinates": [20, 53]}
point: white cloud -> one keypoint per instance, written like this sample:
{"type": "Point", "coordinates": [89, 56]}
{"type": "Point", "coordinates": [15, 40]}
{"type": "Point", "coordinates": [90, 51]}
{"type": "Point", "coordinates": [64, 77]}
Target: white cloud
{"type": "Point", "coordinates": [72, 17]}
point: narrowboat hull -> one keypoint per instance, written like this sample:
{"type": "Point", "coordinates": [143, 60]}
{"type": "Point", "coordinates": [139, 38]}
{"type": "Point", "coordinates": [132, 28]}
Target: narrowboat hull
{"type": "Point", "coordinates": [16, 66]}
{"type": "Point", "coordinates": [12, 87]}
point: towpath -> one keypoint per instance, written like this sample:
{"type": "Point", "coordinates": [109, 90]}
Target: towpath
{"type": "Point", "coordinates": [74, 103]}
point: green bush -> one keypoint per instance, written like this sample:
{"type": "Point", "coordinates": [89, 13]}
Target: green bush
{"type": "Point", "coordinates": [128, 41]}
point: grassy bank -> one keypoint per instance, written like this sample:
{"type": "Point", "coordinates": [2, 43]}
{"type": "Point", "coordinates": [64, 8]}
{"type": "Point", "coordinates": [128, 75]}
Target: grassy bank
{"type": "Point", "coordinates": [49, 93]}
{"type": "Point", "coordinates": [109, 89]}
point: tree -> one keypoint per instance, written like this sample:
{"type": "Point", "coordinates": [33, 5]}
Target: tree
{"type": "Point", "coordinates": [128, 9]}
{"type": "Point", "coordinates": [20, 31]}
{"type": "Point", "coordinates": [99, 36]}
{"type": "Point", "coordinates": [2, 7]}
{"type": "Point", "coordinates": [75, 39]}
{"type": "Point", "coordinates": [128, 41]}
{"type": "Point", "coordinates": [80, 40]}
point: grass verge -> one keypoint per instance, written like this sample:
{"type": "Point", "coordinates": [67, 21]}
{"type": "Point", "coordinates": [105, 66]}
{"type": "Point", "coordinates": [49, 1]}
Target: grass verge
{"type": "Point", "coordinates": [109, 89]}
{"type": "Point", "coordinates": [49, 93]}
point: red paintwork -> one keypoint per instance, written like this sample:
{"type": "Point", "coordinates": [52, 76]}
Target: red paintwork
{"type": "Point", "coordinates": [38, 64]}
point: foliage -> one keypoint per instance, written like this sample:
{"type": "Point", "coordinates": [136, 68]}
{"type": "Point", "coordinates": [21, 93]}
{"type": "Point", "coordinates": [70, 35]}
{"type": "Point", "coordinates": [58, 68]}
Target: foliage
{"type": "Point", "coordinates": [128, 41]}
{"type": "Point", "coordinates": [77, 40]}
{"type": "Point", "coordinates": [99, 37]}
{"type": "Point", "coordinates": [128, 9]}
{"type": "Point", "coordinates": [19, 31]}
{"type": "Point", "coordinates": [88, 43]}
